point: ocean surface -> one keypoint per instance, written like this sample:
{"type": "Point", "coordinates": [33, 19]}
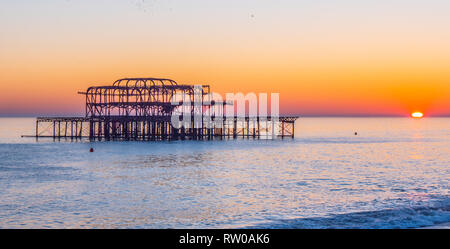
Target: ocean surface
{"type": "Point", "coordinates": [393, 174]}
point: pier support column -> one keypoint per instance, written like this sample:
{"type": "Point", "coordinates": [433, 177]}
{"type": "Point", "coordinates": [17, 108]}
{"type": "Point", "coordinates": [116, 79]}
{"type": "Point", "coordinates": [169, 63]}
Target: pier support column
{"type": "Point", "coordinates": [235, 127]}
{"type": "Point", "coordinates": [37, 128]}
{"type": "Point", "coordinates": [91, 130]}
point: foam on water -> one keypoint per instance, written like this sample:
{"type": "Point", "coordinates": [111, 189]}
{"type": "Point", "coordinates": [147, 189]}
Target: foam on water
{"type": "Point", "coordinates": [419, 215]}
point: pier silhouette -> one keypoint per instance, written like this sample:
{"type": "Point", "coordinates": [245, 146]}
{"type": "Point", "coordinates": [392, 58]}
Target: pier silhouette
{"type": "Point", "coordinates": [143, 109]}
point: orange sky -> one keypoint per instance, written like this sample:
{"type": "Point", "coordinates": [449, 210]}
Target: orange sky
{"type": "Point", "coordinates": [324, 58]}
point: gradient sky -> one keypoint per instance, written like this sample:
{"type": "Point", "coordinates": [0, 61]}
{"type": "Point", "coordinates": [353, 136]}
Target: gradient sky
{"type": "Point", "coordinates": [324, 57]}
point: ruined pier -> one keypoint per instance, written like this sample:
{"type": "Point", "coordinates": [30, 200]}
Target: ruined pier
{"type": "Point", "coordinates": [143, 109]}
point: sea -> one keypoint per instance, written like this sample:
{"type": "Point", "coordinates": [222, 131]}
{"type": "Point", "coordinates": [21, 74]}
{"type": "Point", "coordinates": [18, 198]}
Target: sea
{"type": "Point", "coordinates": [393, 174]}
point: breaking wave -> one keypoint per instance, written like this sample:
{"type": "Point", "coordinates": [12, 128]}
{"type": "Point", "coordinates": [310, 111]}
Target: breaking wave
{"type": "Point", "coordinates": [424, 215]}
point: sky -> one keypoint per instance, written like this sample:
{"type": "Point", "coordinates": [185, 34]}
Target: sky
{"type": "Point", "coordinates": [324, 57]}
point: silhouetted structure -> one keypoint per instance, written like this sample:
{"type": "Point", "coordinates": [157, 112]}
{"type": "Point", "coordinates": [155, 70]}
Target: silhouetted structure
{"type": "Point", "coordinates": [142, 108]}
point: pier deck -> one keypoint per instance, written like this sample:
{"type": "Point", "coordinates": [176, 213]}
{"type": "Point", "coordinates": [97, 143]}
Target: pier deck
{"type": "Point", "coordinates": [159, 128]}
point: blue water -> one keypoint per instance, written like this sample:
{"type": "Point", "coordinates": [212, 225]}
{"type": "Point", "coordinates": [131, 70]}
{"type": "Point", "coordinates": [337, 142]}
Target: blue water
{"type": "Point", "coordinates": [393, 174]}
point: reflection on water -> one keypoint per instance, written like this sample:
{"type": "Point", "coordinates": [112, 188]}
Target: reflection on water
{"type": "Point", "coordinates": [326, 177]}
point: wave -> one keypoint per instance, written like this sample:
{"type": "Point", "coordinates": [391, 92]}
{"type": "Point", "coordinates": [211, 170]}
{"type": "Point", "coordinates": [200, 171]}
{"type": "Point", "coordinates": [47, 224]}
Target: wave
{"type": "Point", "coordinates": [430, 214]}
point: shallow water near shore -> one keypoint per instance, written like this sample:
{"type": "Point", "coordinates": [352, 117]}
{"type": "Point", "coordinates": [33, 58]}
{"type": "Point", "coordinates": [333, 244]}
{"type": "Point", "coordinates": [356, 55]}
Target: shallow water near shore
{"type": "Point", "coordinates": [393, 174]}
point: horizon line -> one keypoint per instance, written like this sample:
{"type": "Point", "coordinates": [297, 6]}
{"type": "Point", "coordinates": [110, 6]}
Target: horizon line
{"type": "Point", "coordinates": [299, 115]}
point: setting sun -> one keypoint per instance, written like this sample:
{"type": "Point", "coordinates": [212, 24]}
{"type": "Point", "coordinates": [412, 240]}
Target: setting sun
{"type": "Point", "coordinates": [416, 114]}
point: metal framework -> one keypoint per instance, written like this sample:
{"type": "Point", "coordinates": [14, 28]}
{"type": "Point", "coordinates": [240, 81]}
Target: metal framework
{"type": "Point", "coordinates": [141, 109]}
{"type": "Point", "coordinates": [136, 97]}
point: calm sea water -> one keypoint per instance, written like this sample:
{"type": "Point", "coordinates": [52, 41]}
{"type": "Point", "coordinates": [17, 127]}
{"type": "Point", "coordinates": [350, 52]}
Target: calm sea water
{"type": "Point", "coordinates": [393, 174]}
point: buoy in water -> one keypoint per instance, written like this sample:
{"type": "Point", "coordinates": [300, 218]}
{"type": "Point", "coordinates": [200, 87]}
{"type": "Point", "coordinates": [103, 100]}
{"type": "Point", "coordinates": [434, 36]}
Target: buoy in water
{"type": "Point", "coordinates": [91, 150]}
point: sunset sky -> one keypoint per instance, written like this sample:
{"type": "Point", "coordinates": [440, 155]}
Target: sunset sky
{"type": "Point", "coordinates": [324, 57]}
